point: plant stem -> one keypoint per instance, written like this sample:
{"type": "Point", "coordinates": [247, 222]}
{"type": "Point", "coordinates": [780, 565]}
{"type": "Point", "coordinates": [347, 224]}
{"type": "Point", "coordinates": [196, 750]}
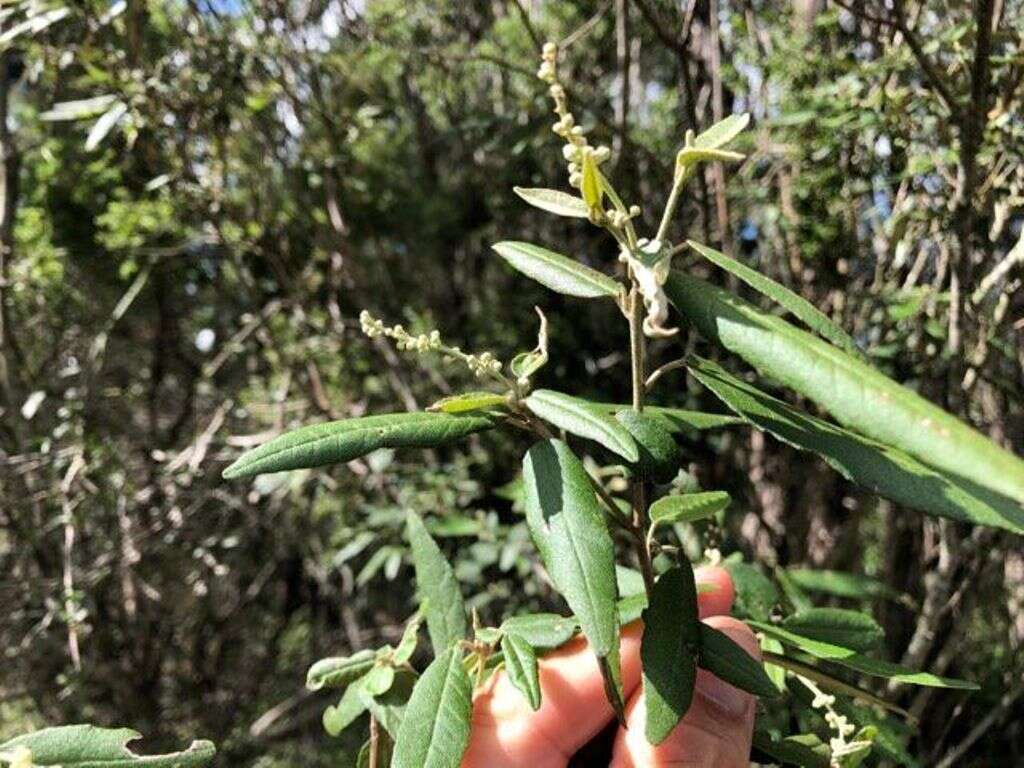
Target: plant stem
{"type": "Point", "coordinates": [374, 743]}
{"type": "Point", "coordinates": [637, 348]}
{"type": "Point", "coordinates": [673, 200]}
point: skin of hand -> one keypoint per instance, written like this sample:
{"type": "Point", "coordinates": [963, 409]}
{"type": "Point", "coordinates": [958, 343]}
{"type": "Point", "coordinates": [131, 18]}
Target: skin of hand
{"type": "Point", "coordinates": [715, 733]}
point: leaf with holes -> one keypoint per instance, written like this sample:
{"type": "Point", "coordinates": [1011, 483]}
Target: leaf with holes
{"type": "Point", "coordinates": [86, 746]}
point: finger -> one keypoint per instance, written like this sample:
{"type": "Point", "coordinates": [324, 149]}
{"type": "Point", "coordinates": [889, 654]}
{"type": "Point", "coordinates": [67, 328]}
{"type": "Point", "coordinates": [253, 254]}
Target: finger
{"type": "Point", "coordinates": [716, 731]}
{"type": "Point", "coordinates": [574, 708]}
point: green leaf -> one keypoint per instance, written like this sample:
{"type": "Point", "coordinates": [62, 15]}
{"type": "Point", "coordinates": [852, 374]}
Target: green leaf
{"type": "Point", "coordinates": [798, 306]}
{"type": "Point", "coordinates": [842, 584]}
{"type": "Point", "coordinates": [837, 626]}
{"type": "Point", "coordinates": [676, 421]}
{"type": "Point", "coordinates": [857, 395]}
{"type": "Point", "coordinates": [339, 717]}
{"type": "Point", "coordinates": [805, 750]}
{"type": "Point", "coordinates": [340, 441]}
{"type": "Point", "coordinates": [557, 272]}
{"type": "Point", "coordinates": [668, 651]}
{"type": "Point", "coordinates": [437, 587]}
{"type": "Point", "coordinates": [339, 671]}
{"type": "Point", "coordinates": [554, 201]}
{"type": "Point", "coordinates": [775, 673]}
{"type": "Point", "coordinates": [590, 186]}
{"type": "Point", "coordinates": [578, 417]}
{"type": "Point", "coordinates": [388, 709]}
{"type": "Point", "coordinates": [521, 666]}
{"type": "Point", "coordinates": [756, 595]}
{"type": "Point", "coordinates": [885, 470]}
{"type": "Point", "coordinates": [688, 507]}
{"type": "Point", "coordinates": [568, 529]}
{"type": "Point", "coordinates": [543, 631]}
{"type": "Point", "coordinates": [86, 746]}
{"type": "Point", "coordinates": [722, 132]}
{"type": "Point", "coordinates": [851, 659]}
{"type": "Point", "coordinates": [726, 660]}
{"type": "Point", "coordinates": [470, 401]}
{"type": "Point", "coordinates": [407, 645]}
{"type": "Point", "coordinates": [378, 680]}
{"type": "Point", "coordinates": [660, 457]}
{"type": "Point", "coordinates": [435, 730]}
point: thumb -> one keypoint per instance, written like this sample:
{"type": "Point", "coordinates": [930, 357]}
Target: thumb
{"type": "Point", "coordinates": [716, 731]}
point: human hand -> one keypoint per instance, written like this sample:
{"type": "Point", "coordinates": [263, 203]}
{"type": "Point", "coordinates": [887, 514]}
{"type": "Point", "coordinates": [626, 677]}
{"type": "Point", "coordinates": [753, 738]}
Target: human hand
{"type": "Point", "coordinates": [715, 733]}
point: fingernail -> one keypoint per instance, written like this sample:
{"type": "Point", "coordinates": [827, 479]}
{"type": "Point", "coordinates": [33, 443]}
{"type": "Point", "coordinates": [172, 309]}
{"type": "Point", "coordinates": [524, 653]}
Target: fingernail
{"type": "Point", "coordinates": [729, 700]}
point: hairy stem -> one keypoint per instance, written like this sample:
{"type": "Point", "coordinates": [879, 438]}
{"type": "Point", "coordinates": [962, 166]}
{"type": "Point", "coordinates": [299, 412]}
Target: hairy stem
{"type": "Point", "coordinates": [638, 352]}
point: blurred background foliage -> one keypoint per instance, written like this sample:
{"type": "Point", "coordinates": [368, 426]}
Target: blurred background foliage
{"type": "Point", "coordinates": [197, 197]}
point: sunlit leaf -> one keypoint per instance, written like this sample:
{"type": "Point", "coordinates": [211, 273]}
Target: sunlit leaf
{"type": "Point", "coordinates": [554, 201]}
{"type": "Point", "coordinates": [688, 507]}
{"type": "Point", "coordinates": [885, 470]}
{"type": "Point", "coordinates": [569, 531]}
{"type": "Point", "coordinates": [542, 630]}
{"type": "Point", "coordinates": [798, 306]}
{"type": "Point", "coordinates": [857, 395]}
{"type": "Point", "coordinates": [438, 589]}
{"type": "Point", "coordinates": [340, 441]}
{"type": "Point", "coordinates": [86, 746]}
{"type": "Point", "coordinates": [557, 272]}
{"type": "Point", "coordinates": [578, 417]}
{"type": "Point", "coordinates": [850, 658]}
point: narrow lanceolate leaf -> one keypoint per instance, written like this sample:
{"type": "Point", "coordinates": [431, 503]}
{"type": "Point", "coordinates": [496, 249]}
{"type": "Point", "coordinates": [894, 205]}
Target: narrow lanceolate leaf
{"type": "Point", "coordinates": [470, 401]}
{"type": "Point", "coordinates": [557, 272]}
{"type": "Point", "coordinates": [727, 661]}
{"type": "Point", "coordinates": [435, 730]}
{"type": "Point", "coordinates": [543, 631]}
{"type": "Point", "coordinates": [860, 397]}
{"type": "Point", "coordinates": [722, 132]}
{"type": "Point", "coordinates": [805, 750]}
{"type": "Point", "coordinates": [849, 629]}
{"type": "Point", "coordinates": [437, 588]}
{"type": "Point", "coordinates": [86, 746]}
{"type": "Point", "coordinates": [578, 417]}
{"type": "Point", "coordinates": [850, 658]}
{"type": "Point", "coordinates": [756, 594]}
{"type": "Point", "coordinates": [553, 201]}
{"type": "Point", "coordinates": [796, 305]}
{"type": "Point", "coordinates": [677, 421]}
{"type": "Point", "coordinates": [668, 651]}
{"type": "Point", "coordinates": [569, 531]}
{"type": "Point", "coordinates": [688, 507]}
{"type": "Point", "coordinates": [887, 471]}
{"type": "Point", "coordinates": [842, 584]}
{"type": "Point", "coordinates": [660, 457]}
{"type": "Point", "coordinates": [521, 666]}
{"type": "Point", "coordinates": [340, 441]}
{"type": "Point", "coordinates": [339, 671]}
